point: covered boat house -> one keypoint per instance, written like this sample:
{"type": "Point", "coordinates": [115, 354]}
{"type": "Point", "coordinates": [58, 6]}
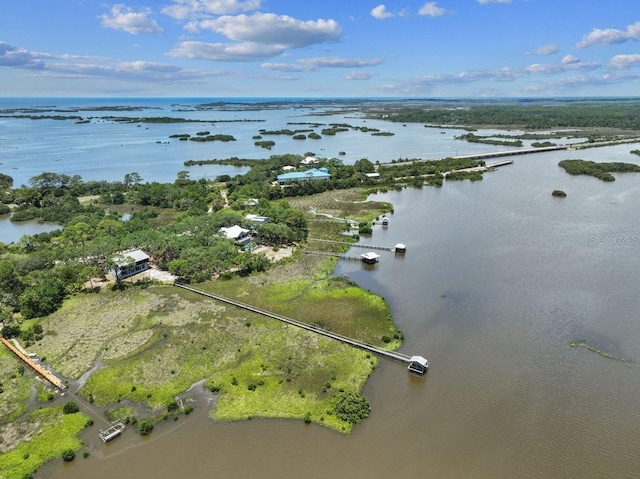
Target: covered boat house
{"type": "Point", "coordinates": [370, 257]}
{"type": "Point", "coordinates": [418, 365]}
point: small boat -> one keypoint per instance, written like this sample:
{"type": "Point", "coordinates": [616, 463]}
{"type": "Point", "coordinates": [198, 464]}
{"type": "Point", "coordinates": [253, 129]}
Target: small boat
{"type": "Point", "coordinates": [385, 221]}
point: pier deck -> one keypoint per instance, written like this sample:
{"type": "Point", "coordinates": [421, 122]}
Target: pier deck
{"type": "Point", "coordinates": [112, 432]}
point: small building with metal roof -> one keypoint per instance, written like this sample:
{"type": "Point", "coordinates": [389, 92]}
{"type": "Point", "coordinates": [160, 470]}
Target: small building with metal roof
{"type": "Point", "coordinates": [129, 263]}
{"type": "Point", "coordinates": [306, 175]}
{"type": "Point", "coordinates": [239, 235]}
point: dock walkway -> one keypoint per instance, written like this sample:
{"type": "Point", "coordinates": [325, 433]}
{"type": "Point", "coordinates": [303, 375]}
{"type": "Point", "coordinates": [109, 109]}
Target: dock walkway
{"type": "Point", "coordinates": [396, 356]}
{"type": "Point", "coordinates": [353, 245]}
{"type": "Point", "coordinates": [42, 372]}
{"type": "Point", "coordinates": [348, 257]}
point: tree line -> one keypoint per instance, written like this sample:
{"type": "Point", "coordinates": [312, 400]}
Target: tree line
{"type": "Point", "coordinates": [621, 114]}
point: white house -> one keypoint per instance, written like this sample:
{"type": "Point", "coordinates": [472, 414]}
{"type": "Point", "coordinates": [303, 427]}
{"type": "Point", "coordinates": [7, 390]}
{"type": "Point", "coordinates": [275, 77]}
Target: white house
{"type": "Point", "coordinates": [257, 218]}
{"type": "Point", "coordinates": [238, 234]}
{"type": "Point", "coordinates": [129, 263]}
{"type": "Point", "coordinates": [309, 160]}
{"type": "Point", "coordinates": [251, 202]}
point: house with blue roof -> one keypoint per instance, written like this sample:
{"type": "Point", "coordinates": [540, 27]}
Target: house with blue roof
{"type": "Point", "coordinates": [306, 175]}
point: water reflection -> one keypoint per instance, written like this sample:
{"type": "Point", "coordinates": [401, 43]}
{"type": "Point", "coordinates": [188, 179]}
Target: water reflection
{"type": "Point", "coordinates": [11, 232]}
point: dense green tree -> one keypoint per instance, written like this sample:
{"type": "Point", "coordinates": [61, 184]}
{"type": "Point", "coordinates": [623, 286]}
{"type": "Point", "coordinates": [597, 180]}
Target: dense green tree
{"type": "Point", "coordinates": [42, 299]}
{"type": "Point", "coordinates": [132, 179]}
{"type": "Point", "coordinates": [364, 166]}
{"type": "Point", "coordinates": [6, 182]}
{"type": "Point", "coordinates": [11, 285]}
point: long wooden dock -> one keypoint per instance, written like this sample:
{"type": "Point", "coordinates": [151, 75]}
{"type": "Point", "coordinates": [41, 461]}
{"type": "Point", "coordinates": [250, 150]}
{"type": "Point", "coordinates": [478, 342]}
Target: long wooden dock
{"type": "Point", "coordinates": [353, 245]}
{"type": "Point", "coordinates": [348, 257]}
{"type": "Point", "coordinates": [42, 372]}
{"type": "Point", "coordinates": [358, 344]}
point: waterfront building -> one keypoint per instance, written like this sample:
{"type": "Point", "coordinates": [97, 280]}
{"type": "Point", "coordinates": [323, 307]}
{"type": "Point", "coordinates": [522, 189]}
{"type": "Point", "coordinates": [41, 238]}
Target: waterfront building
{"type": "Point", "coordinates": [306, 175]}
{"type": "Point", "coordinates": [239, 235]}
{"type": "Point", "coordinates": [129, 263]}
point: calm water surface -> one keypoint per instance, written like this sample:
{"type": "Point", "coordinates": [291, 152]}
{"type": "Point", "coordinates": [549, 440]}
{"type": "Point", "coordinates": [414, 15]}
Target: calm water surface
{"type": "Point", "coordinates": [498, 279]}
{"type": "Point", "coordinates": [11, 232]}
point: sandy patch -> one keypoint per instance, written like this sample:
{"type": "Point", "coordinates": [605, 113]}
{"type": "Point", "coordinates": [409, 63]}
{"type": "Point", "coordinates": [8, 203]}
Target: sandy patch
{"type": "Point", "coordinates": [276, 255]}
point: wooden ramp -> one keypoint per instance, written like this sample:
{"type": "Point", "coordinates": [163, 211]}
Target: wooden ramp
{"type": "Point", "coordinates": [42, 372]}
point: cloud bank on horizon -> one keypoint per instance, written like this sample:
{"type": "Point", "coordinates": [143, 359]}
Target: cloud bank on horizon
{"type": "Point", "coordinates": [288, 48]}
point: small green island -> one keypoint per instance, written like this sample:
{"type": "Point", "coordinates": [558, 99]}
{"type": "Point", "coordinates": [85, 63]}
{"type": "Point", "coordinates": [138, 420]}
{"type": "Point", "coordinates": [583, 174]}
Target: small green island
{"type": "Point", "coordinates": [602, 171]}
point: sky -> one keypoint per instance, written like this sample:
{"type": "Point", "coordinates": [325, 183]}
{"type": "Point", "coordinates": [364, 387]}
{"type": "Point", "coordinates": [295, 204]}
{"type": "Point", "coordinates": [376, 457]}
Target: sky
{"type": "Point", "coordinates": [320, 48]}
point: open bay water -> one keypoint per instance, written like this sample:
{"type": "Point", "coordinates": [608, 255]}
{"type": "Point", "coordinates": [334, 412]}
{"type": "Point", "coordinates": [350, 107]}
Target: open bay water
{"type": "Point", "coordinates": [498, 279]}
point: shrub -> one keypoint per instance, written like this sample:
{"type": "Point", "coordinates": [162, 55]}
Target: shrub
{"type": "Point", "coordinates": [351, 407]}
{"type": "Point", "coordinates": [68, 455]}
{"type": "Point", "coordinates": [145, 428]}
{"type": "Point", "coordinates": [70, 408]}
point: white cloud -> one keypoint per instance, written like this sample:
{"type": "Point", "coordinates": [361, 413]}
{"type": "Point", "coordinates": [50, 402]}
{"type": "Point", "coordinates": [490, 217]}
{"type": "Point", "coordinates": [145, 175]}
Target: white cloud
{"type": "Point", "coordinates": [431, 9]}
{"type": "Point", "coordinates": [229, 52]}
{"type": "Point", "coordinates": [548, 49]}
{"type": "Point", "coordinates": [568, 63]}
{"type": "Point", "coordinates": [622, 62]}
{"type": "Point", "coordinates": [124, 18]}
{"type": "Point", "coordinates": [184, 9]}
{"type": "Point", "coordinates": [271, 29]}
{"type": "Point", "coordinates": [285, 67]}
{"type": "Point", "coordinates": [380, 12]}
{"type": "Point", "coordinates": [485, 2]}
{"type": "Point", "coordinates": [77, 66]}
{"type": "Point", "coordinates": [11, 56]}
{"type": "Point", "coordinates": [340, 62]}
{"type": "Point", "coordinates": [312, 64]}
{"type": "Point", "coordinates": [504, 74]}
{"type": "Point", "coordinates": [359, 75]}
{"type": "Point", "coordinates": [14, 57]}
{"type": "Point", "coordinates": [610, 36]}
{"type": "Point", "coordinates": [130, 71]}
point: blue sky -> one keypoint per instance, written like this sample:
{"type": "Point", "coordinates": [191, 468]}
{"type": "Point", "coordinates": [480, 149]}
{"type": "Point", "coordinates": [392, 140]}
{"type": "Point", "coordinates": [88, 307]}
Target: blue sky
{"type": "Point", "coordinates": [328, 48]}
